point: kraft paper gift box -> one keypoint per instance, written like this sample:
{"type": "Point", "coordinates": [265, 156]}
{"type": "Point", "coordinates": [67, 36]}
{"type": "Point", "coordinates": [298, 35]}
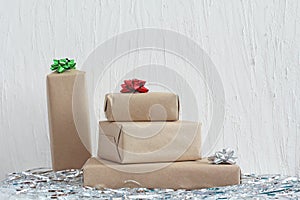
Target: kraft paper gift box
{"type": "Point", "coordinates": [140, 142]}
{"type": "Point", "coordinates": [152, 106]}
{"type": "Point", "coordinates": [69, 135]}
{"type": "Point", "coordinates": [177, 175]}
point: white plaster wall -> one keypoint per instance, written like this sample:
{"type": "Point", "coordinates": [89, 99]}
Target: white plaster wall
{"type": "Point", "coordinates": [255, 46]}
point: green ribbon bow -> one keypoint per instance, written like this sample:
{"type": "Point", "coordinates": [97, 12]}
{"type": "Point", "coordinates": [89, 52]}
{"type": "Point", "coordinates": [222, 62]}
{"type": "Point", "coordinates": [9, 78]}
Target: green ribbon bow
{"type": "Point", "coordinates": [63, 65]}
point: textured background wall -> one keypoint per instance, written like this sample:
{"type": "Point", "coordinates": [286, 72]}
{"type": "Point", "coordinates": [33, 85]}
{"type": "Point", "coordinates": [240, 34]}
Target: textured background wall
{"type": "Point", "coordinates": [255, 46]}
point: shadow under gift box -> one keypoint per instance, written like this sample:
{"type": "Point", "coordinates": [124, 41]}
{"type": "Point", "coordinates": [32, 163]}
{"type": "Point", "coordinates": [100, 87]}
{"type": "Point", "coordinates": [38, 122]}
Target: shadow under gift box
{"type": "Point", "coordinates": [177, 175]}
{"type": "Point", "coordinates": [142, 142]}
{"type": "Point", "coordinates": [152, 106]}
{"type": "Point", "coordinates": [68, 119]}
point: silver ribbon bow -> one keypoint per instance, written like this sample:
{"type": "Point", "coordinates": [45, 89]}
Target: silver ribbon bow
{"type": "Point", "coordinates": [224, 156]}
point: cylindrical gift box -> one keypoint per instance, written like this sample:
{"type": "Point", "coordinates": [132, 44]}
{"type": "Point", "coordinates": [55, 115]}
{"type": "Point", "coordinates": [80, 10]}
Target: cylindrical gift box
{"type": "Point", "coordinates": [152, 106]}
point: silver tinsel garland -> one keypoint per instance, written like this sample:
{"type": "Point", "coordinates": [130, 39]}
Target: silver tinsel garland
{"type": "Point", "coordinates": [46, 184]}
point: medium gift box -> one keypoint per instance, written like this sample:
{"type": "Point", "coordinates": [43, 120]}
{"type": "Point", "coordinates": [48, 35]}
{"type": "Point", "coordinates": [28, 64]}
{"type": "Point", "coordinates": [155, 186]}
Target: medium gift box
{"type": "Point", "coordinates": [178, 175]}
{"type": "Point", "coordinates": [153, 106]}
{"type": "Point", "coordinates": [140, 142]}
{"type": "Point", "coordinates": [67, 98]}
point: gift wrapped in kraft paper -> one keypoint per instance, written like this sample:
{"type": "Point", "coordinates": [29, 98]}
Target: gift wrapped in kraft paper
{"type": "Point", "coordinates": [177, 175]}
{"type": "Point", "coordinates": [141, 142]}
{"type": "Point", "coordinates": [68, 119]}
{"type": "Point", "coordinates": [153, 106]}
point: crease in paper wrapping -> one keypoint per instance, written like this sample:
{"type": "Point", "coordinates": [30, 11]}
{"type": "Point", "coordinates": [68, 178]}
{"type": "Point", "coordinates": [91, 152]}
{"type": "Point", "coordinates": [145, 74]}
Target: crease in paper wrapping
{"type": "Point", "coordinates": [140, 142]}
{"type": "Point", "coordinates": [68, 119]}
{"type": "Point", "coordinates": [152, 106]}
{"type": "Point", "coordinates": [178, 175]}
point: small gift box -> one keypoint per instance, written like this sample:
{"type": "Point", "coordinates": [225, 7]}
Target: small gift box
{"type": "Point", "coordinates": [178, 175]}
{"type": "Point", "coordinates": [140, 142]}
{"type": "Point", "coordinates": [153, 106]}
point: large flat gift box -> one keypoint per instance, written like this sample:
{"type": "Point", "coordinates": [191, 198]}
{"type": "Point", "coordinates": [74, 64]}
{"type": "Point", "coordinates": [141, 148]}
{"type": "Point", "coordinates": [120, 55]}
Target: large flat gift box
{"type": "Point", "coordinates": [152, 106]}
{"type": "Point", "coordinates": [68, 119]}
{"type": "Point", "coordinates": [140, 142]}
{"type": "Point", "coordinates": [177, 175]}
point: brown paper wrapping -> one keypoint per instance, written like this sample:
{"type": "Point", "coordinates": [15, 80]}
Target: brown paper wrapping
{"type": "Point", "coordinates": [67, 139]}
{"type": "Point", "coordinates": [177, 175]}
{"type": "Point", "coordinates": [140, 142]}
{"type": "Point", "coordinates": [152, 106]}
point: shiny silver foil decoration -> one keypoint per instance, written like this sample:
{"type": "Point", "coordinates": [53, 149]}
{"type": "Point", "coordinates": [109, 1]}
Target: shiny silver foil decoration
{"type": "Point", "coordinates": [223, 157]}
{"type": "Point", "coordinates": [46, 184]}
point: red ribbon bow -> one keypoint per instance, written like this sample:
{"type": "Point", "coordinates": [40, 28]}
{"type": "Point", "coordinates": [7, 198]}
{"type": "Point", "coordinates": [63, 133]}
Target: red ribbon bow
{"type": "Point", "coordinates": [133, 86]}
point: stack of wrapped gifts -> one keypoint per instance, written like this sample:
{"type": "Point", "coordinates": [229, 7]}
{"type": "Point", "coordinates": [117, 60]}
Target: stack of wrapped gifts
{"type": "Point", "coordinates": [143, 144]}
